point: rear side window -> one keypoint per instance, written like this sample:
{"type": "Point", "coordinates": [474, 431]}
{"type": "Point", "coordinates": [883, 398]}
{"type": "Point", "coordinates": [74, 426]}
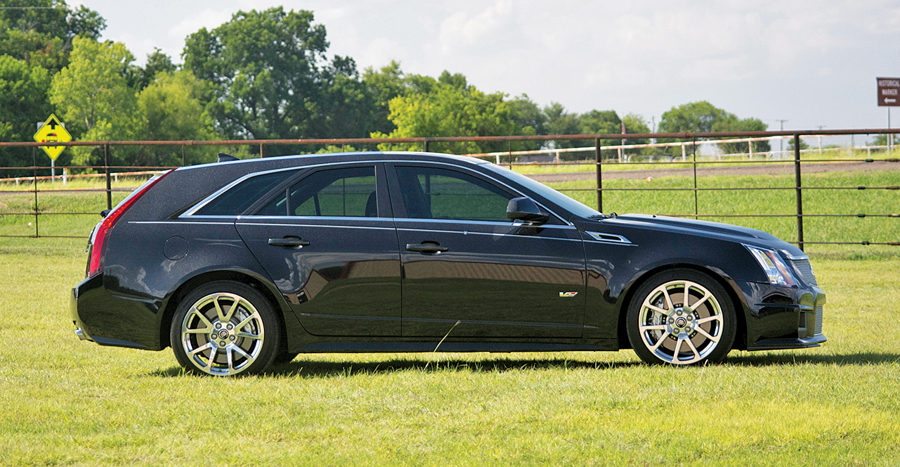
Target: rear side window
{"type": "Point", "coordinates": [348, 192]}
{"type": "Point", "coordinates": [241, 196]}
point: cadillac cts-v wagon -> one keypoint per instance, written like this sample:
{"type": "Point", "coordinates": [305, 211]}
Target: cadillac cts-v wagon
{"type": "Point", "coordinates": [241, 264]}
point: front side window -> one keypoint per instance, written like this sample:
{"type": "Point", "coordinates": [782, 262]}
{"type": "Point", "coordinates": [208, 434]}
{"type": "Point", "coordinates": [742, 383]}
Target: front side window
{"type": "Point", "coordinates": [348, 192]}
{"type": "Point", "coordinates": [433, 193]}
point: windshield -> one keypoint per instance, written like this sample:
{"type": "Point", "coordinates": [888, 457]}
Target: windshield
{"type": "Point", "coordinates": [548, 193]}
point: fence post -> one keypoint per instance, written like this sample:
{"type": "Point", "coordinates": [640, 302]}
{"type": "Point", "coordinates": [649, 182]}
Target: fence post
{"type": "Point", "coordinates": [426, 145]}
{"type": "Point", "coordinates": [799, 191]}
{"type": "Point", "coordinates": [599, 175]}
{"type": "Point", "coordinates": [108, 184]}
{"type": "Point", "coordinates": [694, 155]}
{"type": "Point", "coordinates": [37, 232]}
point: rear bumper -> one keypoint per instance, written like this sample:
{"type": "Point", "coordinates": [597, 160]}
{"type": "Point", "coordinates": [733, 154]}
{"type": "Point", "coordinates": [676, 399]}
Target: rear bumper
{"type": "Point", "coordinates": [76, 320]}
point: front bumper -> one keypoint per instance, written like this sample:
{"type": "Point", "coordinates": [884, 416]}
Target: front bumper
{"type": "Point", "coordinates": [783, 317]}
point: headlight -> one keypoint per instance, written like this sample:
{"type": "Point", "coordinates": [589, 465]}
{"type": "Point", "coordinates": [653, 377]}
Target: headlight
{"type": "Point", "coordinates": [774, 267]}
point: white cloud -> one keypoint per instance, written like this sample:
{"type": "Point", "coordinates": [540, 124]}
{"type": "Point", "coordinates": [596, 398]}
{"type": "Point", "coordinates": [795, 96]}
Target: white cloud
{"type": "Point", "coordinates": [763, 58]}
{"type": "Point", "coordinates": [207, 18]}
{"type": "Point", "coordinates": [462, 30]}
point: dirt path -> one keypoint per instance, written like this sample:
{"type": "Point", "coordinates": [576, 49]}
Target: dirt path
{"type": "Point", "coordinates": [757, 169]}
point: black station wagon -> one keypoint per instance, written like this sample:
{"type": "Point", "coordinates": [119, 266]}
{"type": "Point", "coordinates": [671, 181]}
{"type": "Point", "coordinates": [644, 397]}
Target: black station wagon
{"type": "Point", "coordinates": [241, 264]}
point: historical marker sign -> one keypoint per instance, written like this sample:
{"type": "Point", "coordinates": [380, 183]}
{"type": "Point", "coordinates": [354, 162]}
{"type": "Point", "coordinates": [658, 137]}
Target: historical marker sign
{"type": "Point", "coordinates": [888, 92]}
{"type": "Point", "coordinates": [52, 132]}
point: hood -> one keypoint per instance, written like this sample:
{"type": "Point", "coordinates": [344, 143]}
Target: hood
{"type": "Point", "coordinates": [714, 230]}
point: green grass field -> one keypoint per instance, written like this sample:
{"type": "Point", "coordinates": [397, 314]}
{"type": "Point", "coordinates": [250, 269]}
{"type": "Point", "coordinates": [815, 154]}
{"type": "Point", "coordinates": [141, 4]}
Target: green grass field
{"type": "Point", "coordinates": [66, 402]}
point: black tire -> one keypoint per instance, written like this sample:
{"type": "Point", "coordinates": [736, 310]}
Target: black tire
{"type": "Point", "coordinates": [664, 328]}
{"type": "Point", "coordinates": [225, 328]}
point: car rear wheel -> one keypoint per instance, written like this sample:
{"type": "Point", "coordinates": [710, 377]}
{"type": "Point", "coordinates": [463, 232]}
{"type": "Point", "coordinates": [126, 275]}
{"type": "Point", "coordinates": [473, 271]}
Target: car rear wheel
{"type": "Point", "coordinates": [224, 328]}
{"type": "Point", "coordinates": [681, 317]}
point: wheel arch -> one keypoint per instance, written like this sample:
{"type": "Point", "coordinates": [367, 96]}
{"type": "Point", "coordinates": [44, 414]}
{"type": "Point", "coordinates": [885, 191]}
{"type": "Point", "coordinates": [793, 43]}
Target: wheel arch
{"type": "Point", "coordinates": [180, 292]}
{"type": "Point", "coordinates": [718, 276]}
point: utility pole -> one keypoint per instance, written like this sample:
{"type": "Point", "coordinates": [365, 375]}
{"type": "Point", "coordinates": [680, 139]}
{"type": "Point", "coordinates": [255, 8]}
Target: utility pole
{"type": "Point", "coordinates": [781, 150]}
{"type": "Point", "coordinates": [820, 139]}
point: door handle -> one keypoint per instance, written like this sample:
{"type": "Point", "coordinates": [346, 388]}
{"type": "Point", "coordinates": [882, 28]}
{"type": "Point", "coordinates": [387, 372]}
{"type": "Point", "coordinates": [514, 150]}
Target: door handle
{"type": "Point", "coordinates": [289, 241]}
{"type": "Point", "coordinates": [426, 247]}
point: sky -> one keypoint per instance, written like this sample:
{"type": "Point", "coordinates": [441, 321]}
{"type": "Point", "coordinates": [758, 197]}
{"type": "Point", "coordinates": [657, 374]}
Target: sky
{"type": "Point", "coordinates": [813, 63]}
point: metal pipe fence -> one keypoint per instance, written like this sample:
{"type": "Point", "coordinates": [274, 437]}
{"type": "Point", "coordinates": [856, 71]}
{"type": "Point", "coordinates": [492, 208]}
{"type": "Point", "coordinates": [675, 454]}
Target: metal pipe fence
{"type": "Point", "coordinates": [110, 173]}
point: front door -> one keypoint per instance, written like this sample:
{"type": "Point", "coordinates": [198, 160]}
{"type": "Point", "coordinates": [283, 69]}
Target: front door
{"type": "Point", "coordinates": [468, 268]}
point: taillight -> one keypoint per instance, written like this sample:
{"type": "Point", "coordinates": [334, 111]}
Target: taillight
{"type": "Point", "coordinates": [95, 266]}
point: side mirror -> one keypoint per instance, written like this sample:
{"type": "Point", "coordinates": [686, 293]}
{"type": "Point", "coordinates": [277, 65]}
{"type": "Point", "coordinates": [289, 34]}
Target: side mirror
{"type": "Point", "coordinates": [526, 210]}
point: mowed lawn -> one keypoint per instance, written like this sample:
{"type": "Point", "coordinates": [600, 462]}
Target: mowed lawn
{"type": "Point", "coordinates": [66, 402]}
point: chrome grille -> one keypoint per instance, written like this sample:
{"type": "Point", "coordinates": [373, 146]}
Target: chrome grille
{"type": "Point", "coordinates": [818, 320]}
{"type": "Point", "coordinates": [806, 271]}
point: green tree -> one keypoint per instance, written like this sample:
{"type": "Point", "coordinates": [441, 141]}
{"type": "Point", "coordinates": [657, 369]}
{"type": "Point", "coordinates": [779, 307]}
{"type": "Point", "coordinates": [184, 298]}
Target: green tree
{"type": "Point", "coordinates": [157, 62]}
{"type": "Point", "coordinates": [345, 106]}
{"type": "Point", "coordinates": [804, 145]}
{"type": "Point", "coordinates": [694, 117]}
{"type": "Point", "coordinates": [703, 117]}
{"type": "Point", "coordinates": [171, 109]}
{"type": "Point", "coordinates": [880, 140]}
{"type": "Point", "coordinates": [527, 114]}
{"type": "Point", "coordinates": [451, 108]}
{"type": "Point", "coordinates": [747, 124]}
{"type": "Point", "coordinates": [41, 32]}
{"type": "Point", "coordinates": [529, 120]}
{"type": "Point", "coordinates": [382, 85]}
{"type": "Point", "coordinates": [94, 99]}
{"type": "Point", "coordinates": [635, 123]}
{"type": "Point", "coordinates": [561, 122]}
{"type": "Point", "coordinates": [270, 78]}
{"type": "Point", "coordinates": [23, 103]}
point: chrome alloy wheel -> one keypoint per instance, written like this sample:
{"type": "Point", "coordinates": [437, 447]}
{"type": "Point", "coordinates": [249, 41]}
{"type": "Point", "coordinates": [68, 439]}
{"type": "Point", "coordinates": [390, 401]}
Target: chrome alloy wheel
{"type": "Point", "coordinates": [222, 334]}
{"type": "Point", "coordinates": [680, 322]}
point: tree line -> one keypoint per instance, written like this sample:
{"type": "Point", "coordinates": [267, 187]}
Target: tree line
{"type": "Point", "coordinates": [262, 75]}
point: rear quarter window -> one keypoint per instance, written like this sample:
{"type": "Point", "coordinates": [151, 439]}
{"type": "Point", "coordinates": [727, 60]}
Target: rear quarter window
{"type": "Point", "coordinates": [238, 198]}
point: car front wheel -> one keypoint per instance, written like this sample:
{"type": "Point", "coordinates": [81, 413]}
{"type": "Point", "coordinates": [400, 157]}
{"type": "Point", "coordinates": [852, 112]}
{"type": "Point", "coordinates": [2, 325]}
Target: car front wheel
{"type": "Point", "coordinates": [681, 317]}
{"type": "Point", "coordinates": [224, 328]}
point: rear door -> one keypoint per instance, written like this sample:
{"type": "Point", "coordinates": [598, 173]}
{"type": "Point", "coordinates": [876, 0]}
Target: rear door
{"type": "Point", "coordinates": [468, 268]}
{"type": "Point", "coordinates": [328, 242]}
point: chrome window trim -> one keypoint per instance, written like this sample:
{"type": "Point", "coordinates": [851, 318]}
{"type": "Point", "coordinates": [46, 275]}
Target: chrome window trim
{"type": "Point", "coordinates": [488, 234]}
{"type": "Point", "coordinates": [327, 218]}
{"type": "Point", "coordinates": [367, 227]}
{"type": "Point", "coordinates": [210, 216]}
{"type": "Point", "coordinates": [190, 212]}
{"type": "Point", "coordinates": [496, 223]}
{"type": "Point", "coordinates": [485, 176]}
{"type": "Point", "coordinates": [174, 222]}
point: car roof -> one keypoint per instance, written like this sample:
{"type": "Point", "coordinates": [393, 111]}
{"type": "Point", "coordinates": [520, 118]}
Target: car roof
{"type": "Point", "coordinates": [301, 160]}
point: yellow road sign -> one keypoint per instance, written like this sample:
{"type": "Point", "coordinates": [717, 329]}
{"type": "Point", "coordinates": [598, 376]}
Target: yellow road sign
{"type": "Point", "coordinates": [52, 132]}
